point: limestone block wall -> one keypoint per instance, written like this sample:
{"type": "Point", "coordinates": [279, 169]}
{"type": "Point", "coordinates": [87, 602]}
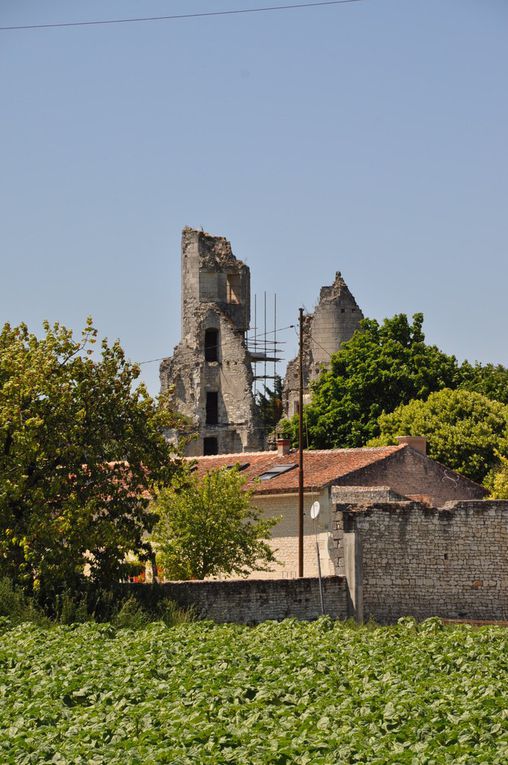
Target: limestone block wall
{"type": "Point", "coordinates": [405, 558]}
{"type": "Point", "coordinates": [336, 317]}
{"type": "Point", "coordinates": [285, 535]}
{"type": "Point", "coordinates": [212, 275]}
{"type": "Point", "coordinates": [251, 601]}
{"type": "Point", "coordinates": [333, 322]}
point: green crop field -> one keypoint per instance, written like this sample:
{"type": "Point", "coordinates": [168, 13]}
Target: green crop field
{"type": "Point", "coordinates": [293, 692]}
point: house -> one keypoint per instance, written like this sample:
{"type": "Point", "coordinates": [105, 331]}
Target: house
{"type": "Point", "coordinates": [377, 474]}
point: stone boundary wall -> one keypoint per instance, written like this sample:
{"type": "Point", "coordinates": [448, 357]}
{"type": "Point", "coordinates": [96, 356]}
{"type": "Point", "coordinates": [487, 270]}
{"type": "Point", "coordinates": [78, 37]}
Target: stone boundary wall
{"type": "Point", "coordinates": [405, 558]}
{"type": "Point", "coordinates": [250, 601]}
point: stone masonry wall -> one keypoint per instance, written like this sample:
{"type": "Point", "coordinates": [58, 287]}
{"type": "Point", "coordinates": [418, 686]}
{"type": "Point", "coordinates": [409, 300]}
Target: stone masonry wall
{"type": "Point", "coordinates": [335, 319]}
{"type": "Point", "coordinates": [251, 601]}
{"type": "Point", "coordinates": [215, 298]}
{"type": "Point", "coordinates": [411, 559]}
{"type": "Point", "coordinates": [284, 536]}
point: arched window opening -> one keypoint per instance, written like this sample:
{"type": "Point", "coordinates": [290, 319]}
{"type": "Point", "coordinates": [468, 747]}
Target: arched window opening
{"type": "Point", "coordinates": [212, 345]}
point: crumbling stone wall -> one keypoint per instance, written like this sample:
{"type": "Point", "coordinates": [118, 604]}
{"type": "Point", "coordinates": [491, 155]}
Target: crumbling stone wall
{"type": "Point", "coordinates": [251, 601]}
{"type": "Point", "coordinates": [406, 558]}
{"type": "Point", "coordinates": [335, 319]}
{"type": "Point", "coordinates": [216, 374]}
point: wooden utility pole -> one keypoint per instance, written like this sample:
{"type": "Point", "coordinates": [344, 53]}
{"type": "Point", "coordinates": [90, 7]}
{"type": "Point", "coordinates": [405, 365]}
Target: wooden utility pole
{"type": "Point", "coordinates": [300, 453]}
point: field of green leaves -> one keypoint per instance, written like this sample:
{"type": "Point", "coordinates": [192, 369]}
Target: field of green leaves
{"type": "Point", "coordinates": [319, 693]}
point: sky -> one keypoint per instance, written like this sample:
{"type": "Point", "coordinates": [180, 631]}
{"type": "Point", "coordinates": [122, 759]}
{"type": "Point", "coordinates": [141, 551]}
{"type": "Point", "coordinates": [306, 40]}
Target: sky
{"type": "Point", "coordinates": [367, 138]}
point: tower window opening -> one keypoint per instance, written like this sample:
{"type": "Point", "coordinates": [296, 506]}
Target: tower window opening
{"type": "Point", "coordinates": [210, 446]}
{"type": "Point", "coordinates": [212, 408]}
{"type": "Point", "coordinates": [212, 345]}
{"type": "Point", "coordinates": [233, 288]}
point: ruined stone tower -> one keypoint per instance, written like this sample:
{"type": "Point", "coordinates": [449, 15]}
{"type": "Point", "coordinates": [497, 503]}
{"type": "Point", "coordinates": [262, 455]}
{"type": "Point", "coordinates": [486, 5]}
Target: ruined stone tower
{"type": "Point", "coordinates": [210, 371]}
{"type": "Point", "coordinates": [334, 321]}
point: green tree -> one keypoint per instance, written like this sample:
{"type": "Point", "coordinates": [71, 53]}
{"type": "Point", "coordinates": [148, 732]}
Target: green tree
{"type": "Point", "coordinates": [81, 452]}
{"type": "Point", "coordinates": [465, 430]}
{"type": "Point", "coordinates": [497, 480]}
{"type": "Point", "coordinates": [269, 405]}
{"type": "Point", "coordinates": [382, 366]}
{"type": "Point", "coordinates": [208, 526]}
{"type": "Point", "coordinates": [489, 379]}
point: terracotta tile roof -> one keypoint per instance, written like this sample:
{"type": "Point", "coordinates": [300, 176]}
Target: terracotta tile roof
{"type": "Point", "coordinates": [320, 468]}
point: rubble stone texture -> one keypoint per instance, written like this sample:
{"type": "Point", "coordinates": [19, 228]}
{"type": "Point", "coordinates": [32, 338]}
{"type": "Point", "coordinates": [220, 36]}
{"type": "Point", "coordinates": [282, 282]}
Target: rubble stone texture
{"type": "Point", "coordinates": [252, 601]}
{"type": "Point", "coordinates": [210, 374]}
{"type": "Point", "coordinates": [335, 319]}
{"type": "Point", "coordinates": [411, 559]}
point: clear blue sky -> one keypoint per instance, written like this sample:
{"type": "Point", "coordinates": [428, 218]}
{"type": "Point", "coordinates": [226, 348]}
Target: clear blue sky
{"type": "Point", "coordinates": [369, 138]}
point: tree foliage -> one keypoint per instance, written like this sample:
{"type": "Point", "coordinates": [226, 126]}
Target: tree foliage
{"type": "Point", "coordinates": [208, 526]}
{"type": "Point", "coordinates": [80, 453]}
{"type": "Point", "coordinates": [497, 480]}
{"type": "Point", "coordinates": [489, 379]}
{"type": "Point", "coordinates": [269, 405]}
{"type": "Point", "coordinates": [382, 366]}
{"type": "Point", "coordinates": [465, 430]}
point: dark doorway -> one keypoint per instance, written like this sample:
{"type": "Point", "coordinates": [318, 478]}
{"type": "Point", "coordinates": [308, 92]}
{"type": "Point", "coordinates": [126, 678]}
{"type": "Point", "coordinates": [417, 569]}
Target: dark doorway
{"type": "Point", "coordinates": [210, 446]}
{"type": "Point", "coordinates": [212, 345]}
{"type": "Point", "coordinates": [212, 408]}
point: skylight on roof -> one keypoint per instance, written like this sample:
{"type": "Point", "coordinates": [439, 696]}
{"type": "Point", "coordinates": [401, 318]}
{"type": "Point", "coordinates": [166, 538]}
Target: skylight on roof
{"type": "Point", "coordinates": [276, 470]}
{"type": "Point", "coordinates": [239, 466]}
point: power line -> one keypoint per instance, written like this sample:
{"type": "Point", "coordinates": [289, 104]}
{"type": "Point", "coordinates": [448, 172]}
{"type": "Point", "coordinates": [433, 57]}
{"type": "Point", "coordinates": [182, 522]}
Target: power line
{"type": "Point", "coordinates": [319, 345]}
{"type": "Point", "coordinates": [151, 361]}
{"type": "Point", "coordinates": [311, 336]}
{"type": "Point", "coordinates": [175, 17]}
{"type": "Point", "coordinates": [230, 343]}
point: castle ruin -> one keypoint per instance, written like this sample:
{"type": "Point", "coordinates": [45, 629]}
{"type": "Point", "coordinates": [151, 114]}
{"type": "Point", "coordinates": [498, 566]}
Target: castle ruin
{"type": "Point", "coordinates": [210, 374]}
{"type": "Point", "coordinates": [335, 319]}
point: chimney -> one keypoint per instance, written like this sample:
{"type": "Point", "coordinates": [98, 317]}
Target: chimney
{"type": "Point", "coordinates": [418, 443]}
{"type": "Point", "coordinates": [283, 446]}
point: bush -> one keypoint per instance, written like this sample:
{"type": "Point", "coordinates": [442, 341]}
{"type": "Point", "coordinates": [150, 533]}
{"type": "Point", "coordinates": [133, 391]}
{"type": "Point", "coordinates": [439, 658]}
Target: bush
{"type": "Point", "coordinates": [16, 607]}
{"type": "Point", "coordinates": [90, 605]}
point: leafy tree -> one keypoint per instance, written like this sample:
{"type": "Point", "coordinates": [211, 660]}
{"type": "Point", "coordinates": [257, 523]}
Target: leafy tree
{"type": "Point", "coordinates": [269, 405]}
{"type": "Point", "coordinates": [465, 430]}
{"type": "Point", "coordinates": [382, 366]}
{"type": "Point", "coordinates": [80, 455]}
{"type": "Point", "coordinates": [208, 526]}
{"type": "Point", "coordinates": [489, 379]}
{"type": "Point", "coordinates": [497, 480]}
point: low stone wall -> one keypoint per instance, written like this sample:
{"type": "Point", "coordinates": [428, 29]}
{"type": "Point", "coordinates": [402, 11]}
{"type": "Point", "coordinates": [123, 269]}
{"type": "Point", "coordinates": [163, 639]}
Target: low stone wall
{"type": "Point", "coordinates": [250, 601]}
{"type": "Point", "coordinates": [405, 558]}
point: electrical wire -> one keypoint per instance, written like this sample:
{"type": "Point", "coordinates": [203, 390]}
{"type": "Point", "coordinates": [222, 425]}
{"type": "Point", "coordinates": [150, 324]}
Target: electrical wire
{"type": "Point", "coordinates": [231, 342]}
{"type": "Point", "coordinates": [319, 345]}
{"type": "Point", "coordinates": [176, 16]}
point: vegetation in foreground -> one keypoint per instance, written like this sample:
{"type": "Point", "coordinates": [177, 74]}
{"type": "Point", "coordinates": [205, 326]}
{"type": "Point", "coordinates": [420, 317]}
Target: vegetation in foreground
{"type": "Point", "coordinates": [322, 693]}
{"type": "Point", "coordinates": [81, 452]}
{"type": "Point", "coordinates": [92, 605]}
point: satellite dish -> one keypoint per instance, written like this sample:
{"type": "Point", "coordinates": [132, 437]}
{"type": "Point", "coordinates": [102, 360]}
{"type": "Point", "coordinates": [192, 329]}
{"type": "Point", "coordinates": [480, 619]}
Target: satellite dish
{"type": "Point", "coordinates": [314, 511]}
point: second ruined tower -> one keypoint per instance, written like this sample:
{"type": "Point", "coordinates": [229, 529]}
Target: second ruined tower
{"type": "Point", "coordinates": [336, 317]}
